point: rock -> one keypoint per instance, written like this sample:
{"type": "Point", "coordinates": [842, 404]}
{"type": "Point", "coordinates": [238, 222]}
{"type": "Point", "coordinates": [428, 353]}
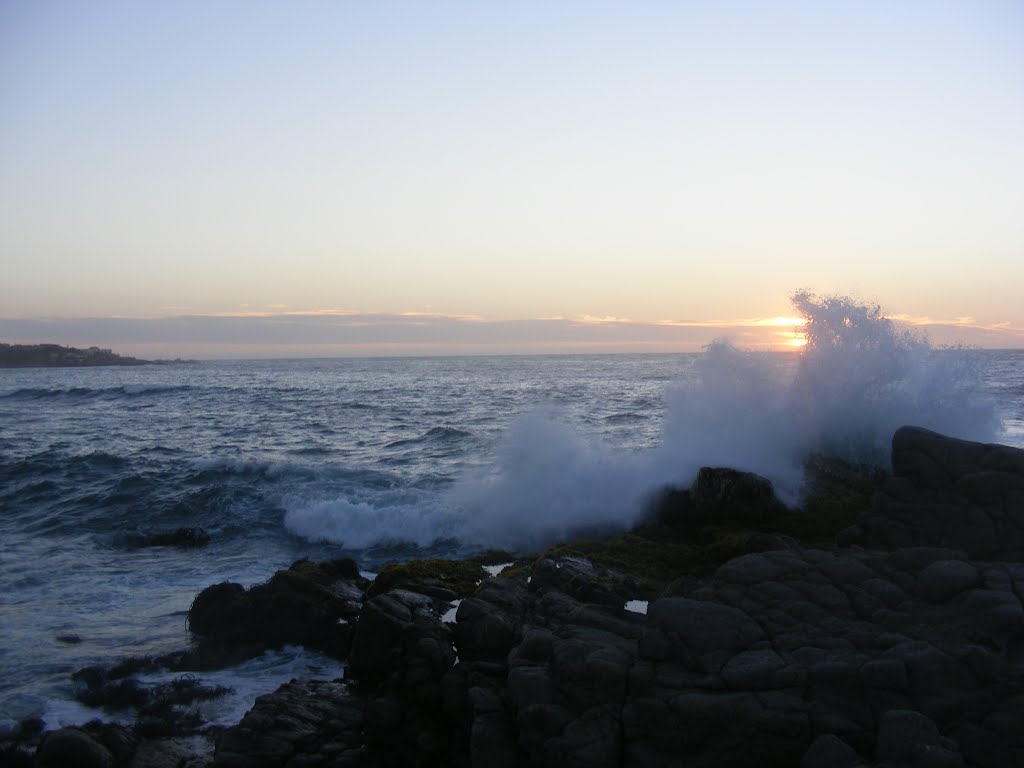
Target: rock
{"type": "Point", "coordinates": [72, 748]}
{"type": "Point", "coordinates": [307, 604]}
{"type": "Point", "coordinates": [436, 578]}
{"type": "Point", "coordinates": [943, 579]}
{"type": "Point", "coordinates": [719, 496]}
{"type": "Point", "coordinates": [703, 626]}
{"type": "Point", "coordinates": [735, 495]}
{"type": "Point", "coordinates": [168, 753]}
{"type": "Point", "coordinates": [934, 461]}
{"type": "Point", "coordinates": [20, 713]}
{"type": "Point", "coordinates": [829, 751]}
{"type": "Point", "coordinates": [900, 732]}
{"type": "Point", "coordinates": [303, 722]}
{"type": "Point", "coordinates": [757, 670]}
{"type": "Point", "coordinates": [400, 633]}
{"type": "Point", "coordinates": [949, 492]}
{"type": "Point", "coordinates": [776, 652]}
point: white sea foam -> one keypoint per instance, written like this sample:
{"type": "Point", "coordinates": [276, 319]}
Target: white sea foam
{"type": "Point", "coordinates": [362, 518]}
{"type": "Point", "coordinates": [637, 606]}
{"type": "Point", "coordinates": [494, 570]}
{"type": "Point", "coordinates": [449, 616]}
{"type": "Point", "coordinates": [859, 378]}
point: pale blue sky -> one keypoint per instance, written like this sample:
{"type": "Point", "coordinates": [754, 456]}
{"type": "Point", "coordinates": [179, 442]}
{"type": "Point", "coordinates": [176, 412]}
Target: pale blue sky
{"type": "Point", "coordinates": [650, 161]}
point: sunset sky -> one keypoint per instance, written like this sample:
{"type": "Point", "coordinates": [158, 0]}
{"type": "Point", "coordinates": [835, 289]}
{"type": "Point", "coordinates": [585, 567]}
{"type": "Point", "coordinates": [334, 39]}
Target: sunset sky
{"type": "Point", "coordinates": [256, 179]}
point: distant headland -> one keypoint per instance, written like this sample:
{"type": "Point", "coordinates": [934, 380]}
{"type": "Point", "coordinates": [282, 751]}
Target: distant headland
{"type": "Point", "coordinates": [56, 356]}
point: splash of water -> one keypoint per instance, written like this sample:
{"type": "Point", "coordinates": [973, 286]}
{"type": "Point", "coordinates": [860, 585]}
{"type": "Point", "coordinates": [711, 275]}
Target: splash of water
{"type": "Point", "coordinates": [859, 377]}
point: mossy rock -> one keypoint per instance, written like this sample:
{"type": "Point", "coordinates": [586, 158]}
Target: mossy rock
{"type": "Point", "coordinates": [631, 554]}
{"type": "Point", "coordinates": [435, 577]}
{"type": "Point", "coordinates": [325, 573]}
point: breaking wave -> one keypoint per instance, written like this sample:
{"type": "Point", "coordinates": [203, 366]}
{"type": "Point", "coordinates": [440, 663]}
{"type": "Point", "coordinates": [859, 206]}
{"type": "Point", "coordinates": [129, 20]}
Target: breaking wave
{"type": "Point", "coordinates": [859, 377]}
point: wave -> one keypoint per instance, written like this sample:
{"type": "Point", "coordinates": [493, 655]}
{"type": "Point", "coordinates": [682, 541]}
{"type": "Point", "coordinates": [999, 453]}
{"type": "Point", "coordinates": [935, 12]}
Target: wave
{"type": "Point", "coordinates": [150, 389]}
{"type": "Point", "coordinates": [625, 417]}
{"type": "Point", "coordinates": [859, 377]}
{"type": "Point", "coordinates": [129, 390]}
{"type": "Point", "coordinates": [359, 519]}
{"type": "Point", "coordinates": [434, 435]}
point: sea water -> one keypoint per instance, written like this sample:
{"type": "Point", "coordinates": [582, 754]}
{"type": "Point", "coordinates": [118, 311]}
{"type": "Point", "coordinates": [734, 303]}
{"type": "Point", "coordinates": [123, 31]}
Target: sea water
{"type": "Point", "coordinates": [383, 459]}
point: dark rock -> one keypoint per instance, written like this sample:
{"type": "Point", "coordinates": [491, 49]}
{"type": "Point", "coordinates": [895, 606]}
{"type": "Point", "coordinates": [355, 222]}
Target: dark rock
{"type": "Point", "coordinates": [719, 496]}
{"type": "Point", "coordinates": [953, 493]}
{"type": "Point", "coordinates": [829, 751]}
{"type": "Point", "coordinates": [307, 604]}
{"type": "Point", "coordinates": [901, 732]}
{"type": "Point", "coordinates": [943, 579]}
{"type": "Point", "coordinates": [933, 461]}
{"type": "Point", "coordinates": [727, 495]}
{"type": "Point", "coordinates": [398, 633]}
{"type": "Point", "coordinates": [437, 578]}
{"type": "Point", "coordinates": [301, 719]}
{"type": "Point", "coordinates": [72, 748]}
{"type": "Point", "coordinates": [703, 626]}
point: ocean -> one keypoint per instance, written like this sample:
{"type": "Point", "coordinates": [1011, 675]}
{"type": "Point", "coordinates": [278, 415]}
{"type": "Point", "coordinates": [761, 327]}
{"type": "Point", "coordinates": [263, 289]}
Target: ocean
{"type": "Point", "coordinates": [383, 459]}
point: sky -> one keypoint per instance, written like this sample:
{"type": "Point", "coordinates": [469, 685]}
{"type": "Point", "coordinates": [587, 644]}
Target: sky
{"type": "Point", "coordinates": [252, 179]}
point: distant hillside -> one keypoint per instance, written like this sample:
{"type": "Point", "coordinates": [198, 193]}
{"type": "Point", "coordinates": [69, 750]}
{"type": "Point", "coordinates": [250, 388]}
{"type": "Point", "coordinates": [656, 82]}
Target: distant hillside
{"type": "Point", "coordinates": [56, 356]}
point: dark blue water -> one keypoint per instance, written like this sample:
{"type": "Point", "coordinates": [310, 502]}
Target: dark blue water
{"type": "Point", "coordinates": [376, 459]}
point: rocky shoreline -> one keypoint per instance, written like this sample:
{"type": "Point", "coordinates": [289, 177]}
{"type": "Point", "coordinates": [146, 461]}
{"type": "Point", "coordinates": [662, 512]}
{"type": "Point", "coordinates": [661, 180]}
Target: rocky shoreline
{"type": "Point", "coordinates": [57, 356]}
{"type": "Point", "coordinates": [881, 623]}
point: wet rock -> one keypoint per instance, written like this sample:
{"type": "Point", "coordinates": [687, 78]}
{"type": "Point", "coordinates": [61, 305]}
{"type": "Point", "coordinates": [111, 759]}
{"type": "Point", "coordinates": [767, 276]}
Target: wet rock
{"type": "Point", "coordinates": [718, 496]}
{"type": "Point", "coordinates": [304, 722]}
{"type": "Point", "coordinates": [721, 494]}
{"type": "Point", "coordinates": [20, 716]}
{"type": "Point", "coordinates": [307, 604]}
{"type": "Point", "coordinates": [400, 634]}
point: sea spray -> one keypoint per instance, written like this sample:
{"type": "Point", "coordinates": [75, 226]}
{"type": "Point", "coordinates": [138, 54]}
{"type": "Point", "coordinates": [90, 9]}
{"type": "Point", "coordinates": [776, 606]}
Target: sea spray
{"type": "Point", "coordinates": [861, 376]}
{"type": "Point", "coordinates": [858, 378]}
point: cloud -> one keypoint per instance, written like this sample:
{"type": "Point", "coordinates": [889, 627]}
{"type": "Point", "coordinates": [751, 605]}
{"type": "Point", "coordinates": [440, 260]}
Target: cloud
{"type": "Point", "coordinates": [346, 332]}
